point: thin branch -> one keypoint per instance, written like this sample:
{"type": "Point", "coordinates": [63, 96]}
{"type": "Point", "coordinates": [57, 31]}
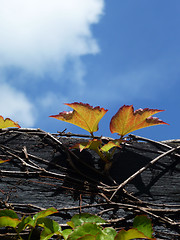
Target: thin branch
{"type": "Point", "coordinates": [37, 158]}
{"type": "Point", "coordinates": [162, 144]}
{"type": "Point", "coordinates": [143, 169]}
{"type": "Point", "coordinates": [128, 202]}
{"type": "Point", "coordinates": [19, 173]}
{"type": "Point", "coordinates": [71, 153]}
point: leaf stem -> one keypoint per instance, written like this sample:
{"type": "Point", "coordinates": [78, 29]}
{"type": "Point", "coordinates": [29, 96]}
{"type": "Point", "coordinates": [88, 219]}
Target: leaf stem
{"type": "Point", "coordinates": [101, 155]}
{"type": "Point", "coordinates": [18, 234]}
{"type": "Point", "coordinates": [92, 135]}
{"type": "Point", "coordinates": [30, 234]}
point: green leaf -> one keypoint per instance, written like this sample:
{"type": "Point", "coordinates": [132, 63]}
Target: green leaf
{"type": "Point", "coordinates": [83, 230]}
{"type": "Point", "coordinates": [130, 234]}
{"type": "Point", "coordinates": [50, 228]}
{"type": "Point", "coordinates": [71, 224]}
{"type": "Point", "coordinates": [144, 225]}
{"type": "Point", "coordinates": [24, 223]}
{"type": "Point", "coordinates": [87, 237]}
{"type": "Point", "coordinates": [45, 213]}
{"type": "Point", "coordinates": [107, 234]}
{"type": "Point", "coordinates": [8, 213]}
{"type": "Point", "coordinates": [110, 231]}
{"type": "Point", "coordinates": [66, 232]}
{"type": "Point", "coordinates": [42, 214]}
{"type": "Point", "coordinates": [79, 219]}
{"type": "Point", "coordinates": [6, 221]}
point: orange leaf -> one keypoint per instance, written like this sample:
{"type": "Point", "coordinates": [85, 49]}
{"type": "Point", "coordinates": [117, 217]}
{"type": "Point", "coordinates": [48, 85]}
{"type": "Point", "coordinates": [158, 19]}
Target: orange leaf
{"type": "Point", "coordinates": [2, 161]}
{"type": "Point", "coordinates": [7, 123]}
{"type": "Point", "coordinates": [83, 115]}
{"type": "Point", "coordinates": [127, 120]}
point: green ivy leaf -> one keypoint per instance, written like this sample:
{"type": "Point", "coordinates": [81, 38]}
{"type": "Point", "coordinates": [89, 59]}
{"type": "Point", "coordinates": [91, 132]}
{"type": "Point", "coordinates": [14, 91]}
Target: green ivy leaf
{"type": "Point", "coordinates": [71, 224]}
{"type": "Point", "coordinates": [85, 229]}
{"type": "Point", "coordinates": [144, 225]}
{"type": "Point", "coordinates": [66, 232]}
{"type": "Point", "coordinates": [24, 223]}
{"type": "Point", "coordinates": [50, 228]}
{"type": "Point", "coordinates": [79, 219]}
{"type": "Point", "coordinates": [130, 234]}
{"type": "Point", "coordinates": [8, 213]}
{"type": "Point", "coordinates": [8, 218]}
{"type": "Point", "coordinates": [43, 214]}
{"type": "Point", "coordinates": [87, 237]}
{"type": "Point", "coordinates": [6, 221]}
{"type": "Point", "coordinates": [107, 234]}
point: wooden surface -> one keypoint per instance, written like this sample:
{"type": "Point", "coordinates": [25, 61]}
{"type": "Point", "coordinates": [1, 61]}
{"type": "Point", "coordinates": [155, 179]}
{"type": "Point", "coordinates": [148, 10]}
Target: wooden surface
{"type": "Point", "coordinates": [42, 173]}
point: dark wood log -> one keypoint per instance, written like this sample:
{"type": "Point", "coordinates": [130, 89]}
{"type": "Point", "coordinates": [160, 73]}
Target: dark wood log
{"type": "Point", "coordinates": [43, 172]}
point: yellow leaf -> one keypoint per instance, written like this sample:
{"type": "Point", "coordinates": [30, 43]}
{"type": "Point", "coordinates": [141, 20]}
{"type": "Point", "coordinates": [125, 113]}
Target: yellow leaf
{"type": "Point", "coordinates": [111, 144]}
{"type": "Point", "coordinates": [83, 115]}
{"type": "Point", "coordinates": [7, 123]}
{"type": "Point", "coordinates": [91, 144]}
{"type": "Point", "coordinates": [127, 120]}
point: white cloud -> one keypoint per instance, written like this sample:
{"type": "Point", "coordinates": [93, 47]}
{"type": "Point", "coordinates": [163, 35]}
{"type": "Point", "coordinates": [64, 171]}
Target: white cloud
{"type": "Point", "coordinates": [14, 104]}
{"type": "Point", "coordinates": [43, 40]}
{"type": "Point", "coordinates": [37, 35]}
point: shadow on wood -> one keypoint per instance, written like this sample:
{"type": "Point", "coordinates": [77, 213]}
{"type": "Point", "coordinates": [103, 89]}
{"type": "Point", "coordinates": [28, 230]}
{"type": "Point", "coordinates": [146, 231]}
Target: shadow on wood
{"type": "Point", "coordinates": [43, 172]}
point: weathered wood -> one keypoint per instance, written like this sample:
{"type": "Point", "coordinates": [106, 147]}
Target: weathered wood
{"type": "Point", "coordinates": [42, 173]}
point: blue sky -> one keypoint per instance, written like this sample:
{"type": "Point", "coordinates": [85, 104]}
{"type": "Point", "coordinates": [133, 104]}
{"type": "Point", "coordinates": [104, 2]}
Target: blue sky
{"type": "Point", "coordinates": [106, 53]}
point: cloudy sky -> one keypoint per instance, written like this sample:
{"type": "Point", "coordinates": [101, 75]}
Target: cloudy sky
{"type": "Point", "coordinates": [101, 52]}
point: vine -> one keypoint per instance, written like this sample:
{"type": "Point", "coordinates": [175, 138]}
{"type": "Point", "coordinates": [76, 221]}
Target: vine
{"type": "Point", "coordinates": [82, 226]}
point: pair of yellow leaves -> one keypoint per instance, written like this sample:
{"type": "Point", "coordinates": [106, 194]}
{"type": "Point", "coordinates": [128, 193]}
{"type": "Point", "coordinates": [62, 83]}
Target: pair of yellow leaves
{"type": "Point", "coordinates": [123, 122]}
{"type": "Point", "coordinates": [85, 116]}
